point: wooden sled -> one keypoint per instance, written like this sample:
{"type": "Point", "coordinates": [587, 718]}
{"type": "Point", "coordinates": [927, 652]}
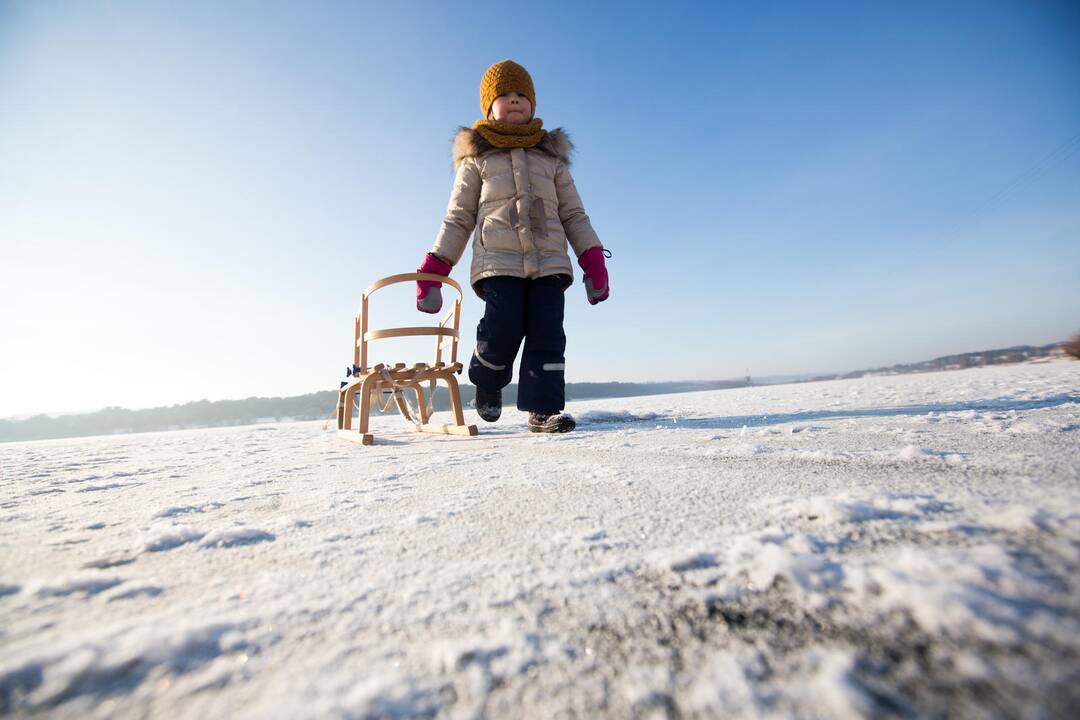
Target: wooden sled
{"type": "Point", "coordinates": [391, 381]}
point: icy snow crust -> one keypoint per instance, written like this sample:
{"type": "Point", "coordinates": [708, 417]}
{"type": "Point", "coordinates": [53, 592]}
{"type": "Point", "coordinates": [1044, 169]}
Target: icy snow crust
{"type": "Point", "coordinates": [883, 546]}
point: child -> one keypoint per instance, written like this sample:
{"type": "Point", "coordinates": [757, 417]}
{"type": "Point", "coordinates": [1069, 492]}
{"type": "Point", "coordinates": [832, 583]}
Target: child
{"type": "Point", "coordinates": [513, 186]}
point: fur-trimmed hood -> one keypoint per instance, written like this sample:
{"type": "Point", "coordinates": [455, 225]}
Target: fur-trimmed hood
{"type": "Point", "coordinates": [469, 143]}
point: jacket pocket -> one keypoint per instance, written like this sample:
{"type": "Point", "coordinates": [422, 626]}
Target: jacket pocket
{"type": "Point", "coordinates": [538, 218]}
{"type": "Point", "coordinates": [496, 234]}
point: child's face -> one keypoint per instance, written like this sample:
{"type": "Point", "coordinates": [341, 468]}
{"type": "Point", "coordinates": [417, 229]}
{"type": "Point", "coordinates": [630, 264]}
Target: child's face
{"type": "Point", "coordinates": [511, 108]}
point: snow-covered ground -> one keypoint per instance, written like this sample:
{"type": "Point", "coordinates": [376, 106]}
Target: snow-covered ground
{"type": "Point", "coordinates": [883, 546]}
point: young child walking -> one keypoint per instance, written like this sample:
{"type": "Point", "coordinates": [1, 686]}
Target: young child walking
{"type": "Point", "coordinates": [513, 186]}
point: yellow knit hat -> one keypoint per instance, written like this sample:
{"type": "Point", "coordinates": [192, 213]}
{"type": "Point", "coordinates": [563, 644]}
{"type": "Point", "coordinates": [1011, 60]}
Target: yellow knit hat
{"type": "Point", "coordinates": [503, 77]}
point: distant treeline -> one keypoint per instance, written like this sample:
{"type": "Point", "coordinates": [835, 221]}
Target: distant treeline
{"type": "Point", "coordinates": [202, 413]}
{"type": "Point", "coordinates": [1004, 356]}
{"type": "Point", "coordinates": [313, 406]}
{"type": "Point", "coordinates": [316, 406]}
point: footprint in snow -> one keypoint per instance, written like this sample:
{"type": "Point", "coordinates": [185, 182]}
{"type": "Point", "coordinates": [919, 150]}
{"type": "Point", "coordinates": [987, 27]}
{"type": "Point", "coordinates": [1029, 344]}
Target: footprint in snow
{"type": "Point", "coordinates": [236, 537]}
{"type": "Point", "coordinates": [76, 586]}
{"type": "Point", "coordinates": [109, 562]}
{"type": "Point", "coordinates": [134, 591]}
{"type": "Point", "coordinates": [99, 488]}
{"type": "Point", "coordinates": [177, 510]}
{"type": "Point", "coordinates": [172, 538]}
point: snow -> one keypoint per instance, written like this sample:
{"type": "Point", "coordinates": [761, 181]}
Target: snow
{"type": "Point", "coordinates": [886, 546]}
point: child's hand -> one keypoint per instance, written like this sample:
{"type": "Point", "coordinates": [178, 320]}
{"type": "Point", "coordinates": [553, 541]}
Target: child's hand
{"type": "Point", "coordinates": [596, 279]}
{"type": "Point", "coordinates": [429, 292]}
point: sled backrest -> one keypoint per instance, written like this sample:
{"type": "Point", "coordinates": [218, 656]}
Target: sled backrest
{"type": "Point", "coordinates": [446, 331]}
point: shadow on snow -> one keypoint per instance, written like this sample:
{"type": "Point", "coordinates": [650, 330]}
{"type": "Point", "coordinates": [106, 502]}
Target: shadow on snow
{"type": "Point", "coordinates": [612, 421]}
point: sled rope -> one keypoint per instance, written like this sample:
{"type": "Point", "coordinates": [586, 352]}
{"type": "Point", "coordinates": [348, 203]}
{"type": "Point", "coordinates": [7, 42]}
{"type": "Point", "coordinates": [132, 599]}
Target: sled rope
{"type": "Point", "coordinates": [333, 411]}
{"type": "Point", "coordinates": [409, 410]}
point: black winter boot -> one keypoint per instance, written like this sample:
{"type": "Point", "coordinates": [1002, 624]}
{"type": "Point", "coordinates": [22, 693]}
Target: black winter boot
{"type": "Point", "coordinates": [488, 403]}
{"type": "Point", "coordinates": [551, 423]}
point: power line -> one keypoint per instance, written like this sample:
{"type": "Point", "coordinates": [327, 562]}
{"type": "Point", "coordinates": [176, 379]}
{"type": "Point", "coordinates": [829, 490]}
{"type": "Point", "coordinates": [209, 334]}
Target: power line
{"type": "Point", "coordinates": [1030, 175]}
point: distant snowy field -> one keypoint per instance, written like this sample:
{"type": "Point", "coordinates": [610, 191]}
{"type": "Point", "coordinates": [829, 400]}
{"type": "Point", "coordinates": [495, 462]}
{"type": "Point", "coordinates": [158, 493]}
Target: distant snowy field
{"type": "Point", "coordinates": [888, 546]}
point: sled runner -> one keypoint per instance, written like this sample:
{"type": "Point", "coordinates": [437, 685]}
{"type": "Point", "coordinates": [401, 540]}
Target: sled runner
{"type": "Point", "coordinates": [390, 382]}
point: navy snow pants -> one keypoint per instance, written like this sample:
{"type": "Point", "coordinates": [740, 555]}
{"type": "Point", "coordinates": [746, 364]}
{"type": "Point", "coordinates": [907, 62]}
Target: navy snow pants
{"type": "Point", "coordinates": [515, 308]}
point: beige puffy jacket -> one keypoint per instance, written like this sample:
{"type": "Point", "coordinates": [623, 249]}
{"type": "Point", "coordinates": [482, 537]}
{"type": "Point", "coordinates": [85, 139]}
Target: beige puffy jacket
{"type": "Point", "coordinates": [523, 205]}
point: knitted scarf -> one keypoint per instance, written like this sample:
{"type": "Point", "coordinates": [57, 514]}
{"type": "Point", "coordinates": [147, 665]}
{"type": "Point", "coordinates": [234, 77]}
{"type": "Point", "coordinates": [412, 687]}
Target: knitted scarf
{"type": "Point", "coordinates": [506, 135]}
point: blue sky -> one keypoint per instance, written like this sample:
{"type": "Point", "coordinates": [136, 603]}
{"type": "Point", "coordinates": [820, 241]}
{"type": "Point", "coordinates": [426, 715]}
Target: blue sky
{"type": "Point", "coordinates": [193, 195]}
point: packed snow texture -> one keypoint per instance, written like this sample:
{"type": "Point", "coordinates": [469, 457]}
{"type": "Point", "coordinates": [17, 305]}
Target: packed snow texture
{"type": "Point", "coordinates": [886, 546]}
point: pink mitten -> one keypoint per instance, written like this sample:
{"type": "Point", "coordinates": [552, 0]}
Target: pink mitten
{"type": "Point", "coordinates": [429, 292]}
{"type": "Point", "coordinates": [596, 280]}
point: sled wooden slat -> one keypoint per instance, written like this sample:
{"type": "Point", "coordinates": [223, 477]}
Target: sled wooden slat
{"type": "Point", "coordinates": [386, 382]}
{"type": "Point", "coordinates": [457, 323]}
{"type": "Point", "coordinates": [469, 430]}
{"type": "Point", "coordinates": [411, 277]}
{"type": "Point", "coordinates": [409, 332]}
{"type": "Point", "coordinates": [364, 439]}
{"type": "Point", "coordinates": [361, 326]}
